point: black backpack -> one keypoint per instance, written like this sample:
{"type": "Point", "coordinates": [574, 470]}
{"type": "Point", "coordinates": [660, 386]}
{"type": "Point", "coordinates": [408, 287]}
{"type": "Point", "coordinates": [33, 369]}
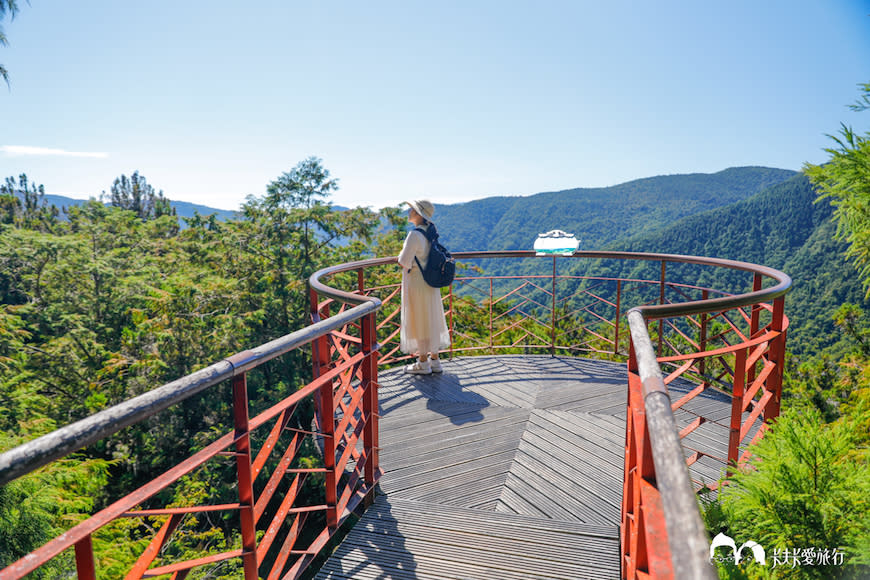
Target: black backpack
{"type": "Point", "coordinates": [440, 267]}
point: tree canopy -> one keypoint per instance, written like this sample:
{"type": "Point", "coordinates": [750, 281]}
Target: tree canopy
{"type": "Point", "coordinates": [6, 7]}
{"type": "Point", "coordinates": [137, 195]}
{"type": "Point", "coordinates": [845, 180]}
{"type": "Point", "coordinates": [114, 300]}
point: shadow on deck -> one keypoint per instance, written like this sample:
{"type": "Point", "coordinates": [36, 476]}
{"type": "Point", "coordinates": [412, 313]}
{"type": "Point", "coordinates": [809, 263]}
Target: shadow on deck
{"type": "Point", "coordinates": [505, 467]}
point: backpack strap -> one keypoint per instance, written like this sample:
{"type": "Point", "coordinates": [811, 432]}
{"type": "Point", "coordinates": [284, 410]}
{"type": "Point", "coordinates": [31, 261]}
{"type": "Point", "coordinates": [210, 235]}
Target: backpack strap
{"type": "Point", "coordinates": [429, 237]}
{"type": "Point", "coordinates": [430, 233]}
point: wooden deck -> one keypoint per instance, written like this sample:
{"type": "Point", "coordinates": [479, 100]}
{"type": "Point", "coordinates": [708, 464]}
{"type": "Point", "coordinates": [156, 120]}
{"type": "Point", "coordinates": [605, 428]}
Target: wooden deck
{"type": "Point", "coordinates": [504, 467]}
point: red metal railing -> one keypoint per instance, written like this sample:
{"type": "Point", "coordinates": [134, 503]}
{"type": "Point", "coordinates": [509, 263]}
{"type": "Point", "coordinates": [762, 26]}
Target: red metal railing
{"type": "Point", "coordinates": [716, 341]}
{"type": "Point", "coordinates": [728, 343]}
{"type": "Point", "coordinates": [345, 430]}
{"type": "Point", "coordinates": [656, 478]}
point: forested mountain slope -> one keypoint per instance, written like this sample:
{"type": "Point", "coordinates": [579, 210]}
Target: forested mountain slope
{"type": "Point", "coordinates": [751, 214]}
{"type": "Point", "coordinates": [784, 228]}
{"type": "Point", "coordinates": [598, 216]}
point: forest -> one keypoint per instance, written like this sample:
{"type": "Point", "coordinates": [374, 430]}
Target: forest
{"type": "Point", "coordinates": [103, 301]}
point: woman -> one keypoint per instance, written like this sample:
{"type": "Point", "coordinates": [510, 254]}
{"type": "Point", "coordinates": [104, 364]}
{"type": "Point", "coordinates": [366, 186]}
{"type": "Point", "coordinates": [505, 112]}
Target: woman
{"type": "Point", "coordinates": [423, 329]}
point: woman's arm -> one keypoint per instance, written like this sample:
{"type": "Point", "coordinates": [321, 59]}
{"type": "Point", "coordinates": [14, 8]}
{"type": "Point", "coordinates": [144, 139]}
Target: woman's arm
{"type": "Point", "coordinates": [413, 246]}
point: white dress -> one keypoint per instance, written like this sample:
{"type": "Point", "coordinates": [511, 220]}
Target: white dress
{"type": "Point", "coordinates": [423, 328]}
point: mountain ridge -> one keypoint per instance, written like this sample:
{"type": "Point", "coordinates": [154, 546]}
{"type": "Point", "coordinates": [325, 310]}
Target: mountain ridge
{"type": "Point", "coordinates": [597, 216]}
{"type": "Point", "coordinates": [183, 209]}
{"type": "Point", "coordinates": [785, 228]}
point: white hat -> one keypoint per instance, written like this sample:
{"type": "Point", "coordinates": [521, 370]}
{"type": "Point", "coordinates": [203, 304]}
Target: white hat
{"type": "Point", "coordinates": [423, 207]}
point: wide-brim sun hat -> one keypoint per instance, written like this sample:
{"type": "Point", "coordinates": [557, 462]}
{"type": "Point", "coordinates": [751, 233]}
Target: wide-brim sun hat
{"type": "Point", "coordinates": [423, 207]}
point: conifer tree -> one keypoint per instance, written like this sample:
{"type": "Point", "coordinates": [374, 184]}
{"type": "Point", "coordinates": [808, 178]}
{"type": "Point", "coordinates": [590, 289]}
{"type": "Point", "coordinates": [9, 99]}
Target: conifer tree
{"type": "Point", "coordinates": [10, 7]}
{"type": "Point", "coordinates": [845, 179]}
{"type": "Point", "coordinates": [137, 195]}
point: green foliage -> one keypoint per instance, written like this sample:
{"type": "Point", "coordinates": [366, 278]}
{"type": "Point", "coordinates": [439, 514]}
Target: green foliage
{"type": "Point", "coordinates": [805, 487]}
{"type": "Point", "coordinates": [137, 195]}
{"type": "Point", "coordinates": [782, 227]}
{"type": "Point", "coordinates": [845, 180]}
{"type": "Point", "coordinates": [851, 319]}
{"type": "Point", "coordinates": [290, 227]}
{"type": "Point", "coordinates": [598, 217]}
{"type": "Point", "coordinates": [761, 216]}
{"type": "Point", "coordinates": [10, 7]}
{"type": "Point", "coordinates": [116, 301]}
{"type": "Point", "coordinates": [23, 204]}
{"type": "Point", "coordinates": [46, 502]}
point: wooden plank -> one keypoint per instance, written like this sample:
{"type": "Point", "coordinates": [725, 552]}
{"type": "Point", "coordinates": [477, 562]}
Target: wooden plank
{"type": "Point", "coordinates": [568, 477]}
{"type": "Point", "coordinates": [526, 492]}
{"type": "Point", "coordinates": [506, 467]}
{"type": "Point", "coordinates": [588, 435]}
{"type": "Point", "coordinates": [444, 516]}
{"type": "Point", "coordinates": [449, 478]}
{"type": "Point", "coordinates": [402, 539]}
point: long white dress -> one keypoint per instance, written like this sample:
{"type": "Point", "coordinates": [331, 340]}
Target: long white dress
{"type": "Point", "coordinates": [423, 327]}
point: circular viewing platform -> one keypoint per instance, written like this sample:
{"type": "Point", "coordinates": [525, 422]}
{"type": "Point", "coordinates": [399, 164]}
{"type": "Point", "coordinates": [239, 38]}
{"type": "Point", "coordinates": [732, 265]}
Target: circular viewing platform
{"type": "Point", "coordinates": [512, 464]}
{"type": "Point", "coordinates": [509, 467]}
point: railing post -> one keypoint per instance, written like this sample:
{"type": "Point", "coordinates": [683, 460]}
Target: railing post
{"type": "Point", "coordinates": [370, 382]}
{"type": "Point", "coordinates": [777, 357]}
{"type": "Point", "coordinates": [618, 312]}
{"type": "Point", "coordinates": [702, 363]}
{"type": "Point", "coordinates": [320, 358]}
{"type": "Point", "coordinates": [85, 568]}
{"type": "Point", "coordinates": [754, 318]}
{"type": "Point", "coordinates": [245, 476]}
{"type": "Point", "coordinates": [320, 352]}
{"type": "Point", "coordinates": [327, 428]}
{"type": "Point", "coordinates": [736, 408]}
{"type": "Point", "coordinates": [370, 398]}
{"type": "Point", "coordinates": [450, 303]}
{"type": "Point", "coordinates": [756, 308]}
{"type": "Point", "coordinates": [491, 349]}
{"type": "Point", "coordinates": [553, 312]}
{"type": "Point", "coordinates": [661, 301]}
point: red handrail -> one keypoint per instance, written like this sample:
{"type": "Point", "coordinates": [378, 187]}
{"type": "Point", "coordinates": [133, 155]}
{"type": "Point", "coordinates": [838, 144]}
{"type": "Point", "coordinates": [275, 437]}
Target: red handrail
{"type": "Point", "coordinates": [346, 383]}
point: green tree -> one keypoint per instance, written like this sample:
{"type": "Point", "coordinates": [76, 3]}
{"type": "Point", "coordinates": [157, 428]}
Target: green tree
{"type": "Point", "coordinates": [10, 7]}
{"type": "Point", "coordinates": [845, 179]}
{"type": "Point", "coordinates": [294, 230]}
{"type": "Point", "coordinates": [23, 204]}
{"type": "Point", "coordinates": [850, 318]}
{"type": "Point", "coordinates": [43, 504]}
{"type": "Point", "coordinates": [137, 195]}
{"type": "Point", "coordinates": [805, 487]}
{"type": "Point", "coordinates": [108, 305]}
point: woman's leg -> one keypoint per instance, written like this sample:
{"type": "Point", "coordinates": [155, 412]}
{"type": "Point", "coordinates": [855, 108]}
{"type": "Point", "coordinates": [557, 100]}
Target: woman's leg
{"type": "Point", "coordinates": [423, 354]}
{"type": "Point", "coordinates": [434, 362]}
{"type": "Point", "coordinates": [422, 366]}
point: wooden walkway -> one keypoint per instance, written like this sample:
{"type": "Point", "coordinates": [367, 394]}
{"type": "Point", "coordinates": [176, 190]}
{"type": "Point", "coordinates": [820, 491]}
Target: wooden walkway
{"type": "Point", "coordinates": [504, 467]}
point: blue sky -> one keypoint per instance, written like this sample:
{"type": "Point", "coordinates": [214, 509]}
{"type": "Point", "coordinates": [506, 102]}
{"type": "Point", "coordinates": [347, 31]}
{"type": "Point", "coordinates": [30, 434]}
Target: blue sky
{"type": "Point", "coordinates": [451, 100]}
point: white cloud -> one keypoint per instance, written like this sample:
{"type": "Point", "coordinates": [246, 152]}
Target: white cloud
{"type": "Point", "coordinates": [26, 150]}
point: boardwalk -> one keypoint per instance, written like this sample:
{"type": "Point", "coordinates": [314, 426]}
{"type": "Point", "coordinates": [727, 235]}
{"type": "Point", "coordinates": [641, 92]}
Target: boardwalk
{"type": "Point", "coordinates": [503, 467]}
